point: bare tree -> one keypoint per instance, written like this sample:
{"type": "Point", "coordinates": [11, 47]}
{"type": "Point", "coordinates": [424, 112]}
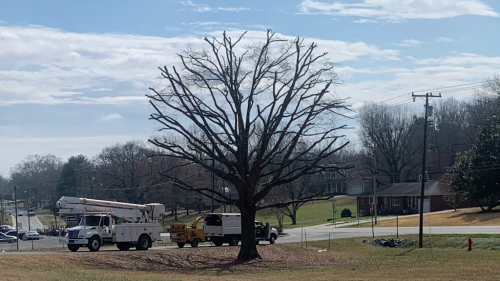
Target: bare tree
{"type": "Point", "coordinates": [392, 130]}
{"type": "Point", "coordinates": [37, 173]}
{"type": "Point", "coordinates": [128, 172]}
{"type": "Point", "coordinates": [252, 105]}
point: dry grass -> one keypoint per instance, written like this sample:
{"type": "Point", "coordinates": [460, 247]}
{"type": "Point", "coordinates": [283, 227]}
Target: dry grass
{"type": "Point", "coordinates": [464, 217]}
{"type": "Point", "coordinates": [349, 259]}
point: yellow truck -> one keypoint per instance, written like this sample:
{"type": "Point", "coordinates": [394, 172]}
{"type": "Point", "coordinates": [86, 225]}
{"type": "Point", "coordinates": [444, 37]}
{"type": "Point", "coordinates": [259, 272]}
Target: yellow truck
{"type": "Point", "coordinates": [181, 234]}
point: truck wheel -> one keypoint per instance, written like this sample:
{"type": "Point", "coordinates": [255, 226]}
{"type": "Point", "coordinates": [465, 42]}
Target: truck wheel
{"type": "Point", "coordinates": [217, 242]}
{"type": "Point", "coordinates": [195, 242]}
{"type": "Point", "coordinates": [257, 242]}
{"type": "Point", "coordinates": [234, 241]}
{"type": "Point", "coordinates": [94, 244]}
{"type": "Point", "coordinates": [181, 245]}
{"type": "Point", "coordinates": [143, 243]}
{"type": "Point", "coordinates": [73, 248]}
{"type": "Point", "coordinates": [272, 240]}
{"type": "Point", "coordinates": [123, 246]}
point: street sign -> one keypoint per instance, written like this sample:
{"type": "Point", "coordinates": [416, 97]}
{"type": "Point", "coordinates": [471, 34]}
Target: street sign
{"type": "Point", "coordinates": [70, 219]}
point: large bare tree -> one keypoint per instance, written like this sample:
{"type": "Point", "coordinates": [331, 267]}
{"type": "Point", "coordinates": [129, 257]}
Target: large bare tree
{"type": "Point", "coordinates": [393, 131]}
{"type": "Point", "coordinates": [247, 106]}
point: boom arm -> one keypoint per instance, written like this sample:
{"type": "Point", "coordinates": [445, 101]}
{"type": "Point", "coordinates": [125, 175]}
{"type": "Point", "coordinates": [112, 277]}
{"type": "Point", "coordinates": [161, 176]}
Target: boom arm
{"type": "Point", "coordinates": [129, 212]}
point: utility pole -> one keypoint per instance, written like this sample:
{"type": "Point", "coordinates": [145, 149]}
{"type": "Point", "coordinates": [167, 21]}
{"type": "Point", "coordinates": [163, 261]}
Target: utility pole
{"type": "Point", "coordinates": [212, 179]}
{"type": "Point", "coordinates": [375, 199]}
{"type": "Point", "coordinates": [422, 190]}
{"type": "Point", "coordinates": [28, 201]}
{"type": "Point", "coordinates": [17, 224]}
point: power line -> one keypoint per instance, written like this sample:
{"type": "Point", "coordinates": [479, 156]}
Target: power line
{"type": "Point", "coordinates": [438, 89]}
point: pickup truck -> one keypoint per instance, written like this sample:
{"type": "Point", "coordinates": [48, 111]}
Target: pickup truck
{"type": "Point", "coordinates": [223, 228]}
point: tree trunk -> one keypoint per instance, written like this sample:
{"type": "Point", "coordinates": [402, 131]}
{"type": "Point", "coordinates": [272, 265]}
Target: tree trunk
{"type": "Point", "coordinates": [175, 212]}
{"type": "Point", "coordinates": [294, 217]}
{"type": "Point", "coordinates": [248, 249]}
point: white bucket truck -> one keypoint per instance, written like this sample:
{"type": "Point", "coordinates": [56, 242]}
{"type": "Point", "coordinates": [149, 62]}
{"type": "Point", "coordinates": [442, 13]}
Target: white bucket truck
{"type": "Point", "coordinates": [226, 228]}
{"type": "Point", "coordinates": [109, 222]}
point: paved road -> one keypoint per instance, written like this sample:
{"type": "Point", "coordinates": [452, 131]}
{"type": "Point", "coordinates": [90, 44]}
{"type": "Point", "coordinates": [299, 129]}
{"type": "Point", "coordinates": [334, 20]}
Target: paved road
{"type": "Point", "coordinates": [313, 233]}
{"type": "Point", "coordinates": [23, 220]}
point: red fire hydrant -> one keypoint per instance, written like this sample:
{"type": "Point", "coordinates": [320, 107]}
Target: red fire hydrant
{"type": "Point", "coordinates": [470, 244]}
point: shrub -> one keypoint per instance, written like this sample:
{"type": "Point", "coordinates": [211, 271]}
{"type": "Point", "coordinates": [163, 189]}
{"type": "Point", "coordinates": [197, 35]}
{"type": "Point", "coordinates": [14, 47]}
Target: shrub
{"type": "Point", "coordinates": [346, 213]}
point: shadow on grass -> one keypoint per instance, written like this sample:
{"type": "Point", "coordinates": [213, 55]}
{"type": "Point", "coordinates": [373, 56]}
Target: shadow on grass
{"type": "Point", "coordinates": [405, 253]}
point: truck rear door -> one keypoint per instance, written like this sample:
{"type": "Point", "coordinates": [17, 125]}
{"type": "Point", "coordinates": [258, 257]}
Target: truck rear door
{"type": "Point", "coordinates": [213, 225]}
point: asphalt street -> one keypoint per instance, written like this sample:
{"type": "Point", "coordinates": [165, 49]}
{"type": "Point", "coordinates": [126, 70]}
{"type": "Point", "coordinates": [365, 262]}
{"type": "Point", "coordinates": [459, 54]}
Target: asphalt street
{"type": "Point", "coordinates": [312, 233]}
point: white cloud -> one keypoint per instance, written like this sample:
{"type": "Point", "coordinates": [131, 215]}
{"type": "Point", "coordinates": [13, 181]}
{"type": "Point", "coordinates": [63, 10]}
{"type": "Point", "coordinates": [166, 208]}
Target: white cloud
{"type": "Point", "coordinates": [461, 59]}
{"type": "Point", "coordinates": [109, 117]}
{"type": "Point", "coordinates": [171, 28]}
{"type": "Point", "coordinates": [205, 8]}
{"type": "Point", "coordinates": [444, 39]}
{"type": "Point", "coordinates": [364, 21]}
{"type": "Point", "coordinates": [398, 9]}
{"type": "Point", "coordinates": [409, 43]}
{"type": "Point", "coordinates": [87, 68]}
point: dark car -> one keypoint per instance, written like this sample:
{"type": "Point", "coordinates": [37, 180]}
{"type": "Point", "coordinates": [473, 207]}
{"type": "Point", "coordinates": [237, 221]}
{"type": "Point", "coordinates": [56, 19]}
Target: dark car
{"type": "Point", "coordinates": [15, 234]}
{"type": "Point", "coordinates": [7, 238]}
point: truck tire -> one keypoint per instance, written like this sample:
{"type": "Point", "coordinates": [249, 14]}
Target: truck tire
{"type": "Point", "coordinates": [257, 242]}
{"type": "Point", "coordinates": [234, 241]}
{"type": "Point", "coordinates": [273, 239]}
{"type": "Point", "coordinates": [123, 246]}
{"type": "Point", "coordinates": [94, 244]}
{"type": "Point", "coordinates": [73, 248]}
{"type": "Point", "coordinates": [217, 242]}
{"type": "Point", "coordinates": [194, 243]}
{"type": "Point", "coordinates": [181, 245]}
{"type": "Point", "coordinates": [143, 243]}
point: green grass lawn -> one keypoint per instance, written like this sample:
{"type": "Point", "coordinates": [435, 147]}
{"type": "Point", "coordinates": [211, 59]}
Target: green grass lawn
{"type": "Point", "coordinates": [312, 213]}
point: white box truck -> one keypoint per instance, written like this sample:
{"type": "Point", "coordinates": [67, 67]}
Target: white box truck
{"type": "Point", "coordinates": [223, 228]}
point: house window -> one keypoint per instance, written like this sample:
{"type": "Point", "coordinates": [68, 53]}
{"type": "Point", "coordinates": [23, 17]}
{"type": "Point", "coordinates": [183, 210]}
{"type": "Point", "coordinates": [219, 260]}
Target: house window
{"type": "Point", "coordinates": [412, 202]}
{"type": "Point", "coordinates": [446, 198]}
{"type": "Point", "coordinates": [371, 200]}
{"type": "Point", "coordinates": [363, 200]}
{"type": "Point", "coordinates": [395, 201]}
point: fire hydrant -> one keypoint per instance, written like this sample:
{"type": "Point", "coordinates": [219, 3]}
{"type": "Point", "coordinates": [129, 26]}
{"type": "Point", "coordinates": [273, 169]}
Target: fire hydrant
{"type": "Point", "coordinates": [470, 244]}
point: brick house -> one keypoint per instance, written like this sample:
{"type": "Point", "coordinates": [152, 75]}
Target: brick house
{"type": "Point", "coordinates": [404, 198]}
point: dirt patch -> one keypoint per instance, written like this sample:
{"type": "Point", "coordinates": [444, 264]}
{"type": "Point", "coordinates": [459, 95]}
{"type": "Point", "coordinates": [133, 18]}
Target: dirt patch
{"type": "Point", "coordinates": [215, 259]}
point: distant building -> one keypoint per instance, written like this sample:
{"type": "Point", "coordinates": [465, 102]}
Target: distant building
{"type": "Point", "coordinates": [404, 198]}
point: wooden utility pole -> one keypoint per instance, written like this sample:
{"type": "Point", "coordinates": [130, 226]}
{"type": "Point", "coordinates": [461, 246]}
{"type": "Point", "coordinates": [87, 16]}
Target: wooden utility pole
{"type": "Point", "coordinates": [422, 190]}
{"type": "Point", "coordinates": [375, 199]}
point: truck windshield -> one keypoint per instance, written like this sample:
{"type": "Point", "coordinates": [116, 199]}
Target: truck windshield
{"type": "Point", "coordinates": [90, 221]}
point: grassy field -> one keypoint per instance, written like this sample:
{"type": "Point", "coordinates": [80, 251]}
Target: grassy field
{"type": "Point", "coordinates": [313, 213]}
{"type": "Point", "coordinates": [470, 217]}
{"type": "Point", "coordinates": [348, 259]}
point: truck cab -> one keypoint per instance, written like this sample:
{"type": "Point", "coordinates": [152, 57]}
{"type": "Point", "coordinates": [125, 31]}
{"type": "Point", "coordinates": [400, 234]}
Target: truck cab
{"type": "Point", "coordinates": [93, 231]}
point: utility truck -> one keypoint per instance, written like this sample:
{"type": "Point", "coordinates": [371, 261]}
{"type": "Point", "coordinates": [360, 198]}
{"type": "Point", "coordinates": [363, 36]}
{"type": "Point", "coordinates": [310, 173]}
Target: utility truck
{"type": "Point", "coordinates": [109, 222]}
{"type": "Point", "coordinates": [226, 228]}
{"type": "Point", "coordinates": [181, 234]}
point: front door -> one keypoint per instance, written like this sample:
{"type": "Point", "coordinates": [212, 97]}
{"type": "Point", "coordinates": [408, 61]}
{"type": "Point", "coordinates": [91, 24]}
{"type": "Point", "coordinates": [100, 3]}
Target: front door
{"type": "Point", "coordinates": [427, 205]}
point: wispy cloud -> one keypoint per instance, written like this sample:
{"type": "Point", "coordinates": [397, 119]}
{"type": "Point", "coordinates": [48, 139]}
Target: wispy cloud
{"type": "Point", "coordinates": [109, 117]}
{"type": "Point", "coordinates": [399, 10]}
{"type": "Point", "coordinates": [205, 8]}
{"type": "Point", "coordinates": [364, 21]}
{"type": "Point", "coordinates": [444, 39]}
{"type": "Point", "coordinates": [172, 28]}
{"type": "Point", "coordinates": [409, 43]}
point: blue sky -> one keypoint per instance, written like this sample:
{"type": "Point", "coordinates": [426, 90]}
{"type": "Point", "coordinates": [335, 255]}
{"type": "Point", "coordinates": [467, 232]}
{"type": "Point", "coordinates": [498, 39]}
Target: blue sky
{"type": "Point", "coordinates": [73, 74]}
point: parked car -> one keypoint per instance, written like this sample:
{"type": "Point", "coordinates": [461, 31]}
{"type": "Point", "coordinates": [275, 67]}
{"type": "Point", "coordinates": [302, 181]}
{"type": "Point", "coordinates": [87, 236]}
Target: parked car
{"type": "Point", "coordinates": [15, 234]}
{"type": "Point", "coordinates": [7, 238]}
{"type": "Point", "coordinates": [5, 228]}
{"type": "Point", "coordinates": [31, 235]}
{"type": "Point", "coordinates": [20, 213]}
{"type": "Point", "coordinates": [31, 213]}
